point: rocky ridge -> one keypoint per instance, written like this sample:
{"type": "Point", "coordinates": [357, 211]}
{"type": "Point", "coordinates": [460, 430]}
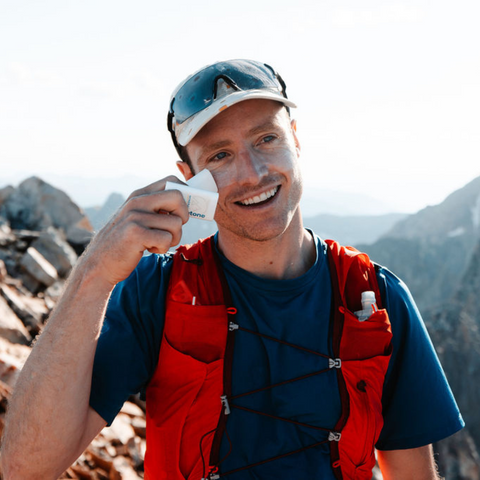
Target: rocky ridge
{"type": "Point", "coordinates": [455, 330]}
{"type": "Point", "coordinates": [432, 249]}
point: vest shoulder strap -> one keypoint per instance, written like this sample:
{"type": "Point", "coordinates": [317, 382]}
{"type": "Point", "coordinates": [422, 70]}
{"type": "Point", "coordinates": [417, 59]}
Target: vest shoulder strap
{"type": "Point", "coordinates": [353, 273]}
{"type": "Point", "coordinates": [195, 274]}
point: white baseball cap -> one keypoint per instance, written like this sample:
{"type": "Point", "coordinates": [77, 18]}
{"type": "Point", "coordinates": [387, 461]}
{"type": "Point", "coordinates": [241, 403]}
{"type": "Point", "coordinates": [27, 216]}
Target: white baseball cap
{"type": "Point", "coordinates": [216, 87]}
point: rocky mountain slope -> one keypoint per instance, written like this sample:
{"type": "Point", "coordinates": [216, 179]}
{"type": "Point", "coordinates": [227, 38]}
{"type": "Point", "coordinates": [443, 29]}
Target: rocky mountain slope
{"type": "Point", "coordinates": [432, 249]}
{"type": "Point", "coordinates": [455, 330]}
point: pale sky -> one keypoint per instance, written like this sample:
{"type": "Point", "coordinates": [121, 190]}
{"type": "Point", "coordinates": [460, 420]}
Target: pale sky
{"type": "Point", "coordinates": [388, 92]}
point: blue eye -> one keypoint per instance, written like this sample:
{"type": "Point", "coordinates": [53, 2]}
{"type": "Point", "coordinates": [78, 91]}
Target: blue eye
{"type": "Point", "coordinates": [268, 138]}
{"type": "Point", "coordinates": [218, 156]}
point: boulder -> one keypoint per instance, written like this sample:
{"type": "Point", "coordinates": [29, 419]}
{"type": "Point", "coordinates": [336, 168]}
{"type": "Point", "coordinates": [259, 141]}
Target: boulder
{"type": "Point", "coordinates": [6, 235]}
{"type": "Point", "coordinates": [56, 250]}
{"type": "Point", "coordinates": [31, 310]}
{"type": "Point", "coordinates": [37, 205]}
{"type": "Point", "coordinates": [11, 327]}
{"type": "Point", "coordinates": [38, 267]}
{"type": "Point", "coordinates": [79, 235]}
{"type": "Point", "coordinates": [30, 284]}
{"type": "Point", "coordinates": [5, 193]}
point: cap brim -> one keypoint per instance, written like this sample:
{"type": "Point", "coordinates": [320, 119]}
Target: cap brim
{"type": "Point", "coordinates": [188, 129]}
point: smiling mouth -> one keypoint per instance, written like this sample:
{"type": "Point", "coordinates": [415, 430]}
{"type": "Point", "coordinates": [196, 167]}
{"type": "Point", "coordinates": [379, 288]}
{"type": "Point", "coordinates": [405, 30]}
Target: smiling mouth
{"type": "Point", "coordinates": [260, 199]}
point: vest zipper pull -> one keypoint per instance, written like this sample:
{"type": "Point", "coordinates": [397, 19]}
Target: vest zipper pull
{"type": "Point", "coordinates": [224, 401]}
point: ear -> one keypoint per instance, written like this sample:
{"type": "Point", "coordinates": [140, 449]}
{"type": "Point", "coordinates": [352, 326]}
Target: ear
{"type": "Point", "coordinates": [185, 170]}
{"type": "Point", "coordinates": [293, 124]}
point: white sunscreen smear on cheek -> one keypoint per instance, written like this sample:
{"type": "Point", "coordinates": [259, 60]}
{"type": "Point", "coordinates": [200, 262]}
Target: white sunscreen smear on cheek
{"type": "Point", "coordinates": [200, 195]}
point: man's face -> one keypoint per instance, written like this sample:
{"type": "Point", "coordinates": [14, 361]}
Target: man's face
{"type": "Point", "coordinates": [252, 152]}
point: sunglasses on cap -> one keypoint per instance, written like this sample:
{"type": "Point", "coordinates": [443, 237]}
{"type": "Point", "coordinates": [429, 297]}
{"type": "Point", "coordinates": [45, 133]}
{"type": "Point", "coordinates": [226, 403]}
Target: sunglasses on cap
{"type": "Point", "coordinates": [209, 91]}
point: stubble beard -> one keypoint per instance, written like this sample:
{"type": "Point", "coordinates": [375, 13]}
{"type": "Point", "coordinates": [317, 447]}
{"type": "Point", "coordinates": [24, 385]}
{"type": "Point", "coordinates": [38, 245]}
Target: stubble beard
{"type": "Point", "coordinates": [264, 232]}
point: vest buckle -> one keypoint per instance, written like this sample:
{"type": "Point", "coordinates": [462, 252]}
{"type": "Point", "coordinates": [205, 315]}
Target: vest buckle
{"type": "Point", "coordinates": [232, 326]}
{"type": "Point", "coordinates": [334, 363]}
{"type": "Point", "coordinates": [334, 436]}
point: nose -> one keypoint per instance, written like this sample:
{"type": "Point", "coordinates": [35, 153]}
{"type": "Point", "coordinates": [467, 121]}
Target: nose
{"type": "Point", "coordinates": [251, 167]}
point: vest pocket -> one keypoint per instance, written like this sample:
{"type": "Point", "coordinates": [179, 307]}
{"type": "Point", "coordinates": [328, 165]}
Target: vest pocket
{"type": "Point", "coordinates": [364, 381]}
{"type": "Point", "coordinates": [199, 331]}
{"type": "Point", "coordinates": [183, 403]}
{"type": "Point", "coordinates": [368, 339]}
{"type": "Point", "coordinates": [365, 351]}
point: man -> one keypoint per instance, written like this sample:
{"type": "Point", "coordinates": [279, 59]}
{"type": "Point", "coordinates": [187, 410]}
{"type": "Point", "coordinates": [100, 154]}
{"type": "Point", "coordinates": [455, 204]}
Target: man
{"type": "Point", "coordinates": [283, 402]}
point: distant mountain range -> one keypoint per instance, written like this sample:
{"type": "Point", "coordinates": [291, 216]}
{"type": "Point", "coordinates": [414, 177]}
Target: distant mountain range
{"type": "Point", "coordinates": [350, 230]}
{"type": "Point", "coordinates": [93, 192]}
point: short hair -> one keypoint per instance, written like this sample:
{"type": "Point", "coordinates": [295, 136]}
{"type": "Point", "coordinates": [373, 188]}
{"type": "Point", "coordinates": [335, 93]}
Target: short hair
{"type": "Point", "coordinates": [184, 157]}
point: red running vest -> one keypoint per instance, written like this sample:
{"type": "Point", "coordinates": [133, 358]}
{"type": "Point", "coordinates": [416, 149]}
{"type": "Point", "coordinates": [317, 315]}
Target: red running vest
{"type": "Point", "coordinates": [187, 397]}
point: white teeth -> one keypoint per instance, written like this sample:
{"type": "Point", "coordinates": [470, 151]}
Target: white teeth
{"type": "Point", "coordinates": [260, 198]}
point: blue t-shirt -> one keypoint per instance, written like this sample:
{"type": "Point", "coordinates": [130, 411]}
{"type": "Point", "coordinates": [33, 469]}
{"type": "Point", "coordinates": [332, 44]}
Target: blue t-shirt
{"type": "Point", "coordinates": [418, 406]}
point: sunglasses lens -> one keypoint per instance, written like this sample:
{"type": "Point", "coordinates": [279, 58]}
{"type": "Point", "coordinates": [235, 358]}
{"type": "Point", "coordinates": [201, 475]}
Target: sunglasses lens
{"type": "Point", "coordinates": [198, 91]}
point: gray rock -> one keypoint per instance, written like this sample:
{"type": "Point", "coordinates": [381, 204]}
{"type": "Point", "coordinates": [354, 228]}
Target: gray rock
{"type": "Point", "coordinates": [29, 283]}
{"type": "Point", "coordinates": [26, 235]}
{"type": "Point", "coordinates": [56, 251]}
{"type": "Point", "coordinates": [36, 205]}
{"type": "Point", "coordinates": [31, 310]}
{"type": "Point", "coordinates": [5, 193]}
{"type": "Point", "coordinates": [11, 327]}
{"type": "Point", "coordinates": [6, 235]}
{"type": "Point", "coordinates": [79, 235]}
{"type": "Point", "coordinates": [38, 267]}
{"type": "Point", "coordinates": [10, 257]}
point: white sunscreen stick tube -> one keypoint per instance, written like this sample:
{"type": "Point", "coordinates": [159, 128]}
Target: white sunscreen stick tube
{"type": "Point", "coordinates": [201, 203]}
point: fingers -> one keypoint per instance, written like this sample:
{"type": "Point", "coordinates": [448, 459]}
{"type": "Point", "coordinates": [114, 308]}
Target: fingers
{"type": "Point", "coordinates": [166, 201]}
{"type": "Point", "coordinates": [154, 229]}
